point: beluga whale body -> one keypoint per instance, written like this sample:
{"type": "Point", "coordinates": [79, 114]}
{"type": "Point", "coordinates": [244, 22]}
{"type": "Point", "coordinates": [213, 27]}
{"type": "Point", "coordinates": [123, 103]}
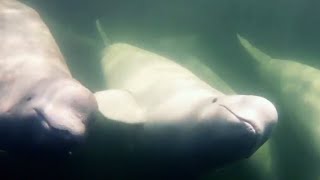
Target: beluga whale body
{"type": "Point", "coordinates": [41, 105]}
{"type": "Point", "coordinates": [179, 114]}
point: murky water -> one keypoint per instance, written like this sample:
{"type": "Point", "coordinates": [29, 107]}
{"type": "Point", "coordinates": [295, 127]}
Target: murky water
{"type": "Point", "coordinates": [207, 30]}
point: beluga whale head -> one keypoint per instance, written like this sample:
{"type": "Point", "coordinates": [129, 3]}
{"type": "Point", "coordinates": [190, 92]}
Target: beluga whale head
{"type": "Point", "coordinates": [249, 119]}
{"type": "Point", "coordinates": [62, 111]}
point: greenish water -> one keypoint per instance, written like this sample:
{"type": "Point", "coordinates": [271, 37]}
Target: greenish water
{"type": "Point", "coordinates": [206, 29]}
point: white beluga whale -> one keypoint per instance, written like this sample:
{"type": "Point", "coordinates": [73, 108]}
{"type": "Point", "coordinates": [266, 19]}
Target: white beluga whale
{"type": "Point", "coordinates": [42, 105]}
{"type": "Point", "coordinates": [297, 87]}
{"type": "Point", "coordinates": [180, 114]}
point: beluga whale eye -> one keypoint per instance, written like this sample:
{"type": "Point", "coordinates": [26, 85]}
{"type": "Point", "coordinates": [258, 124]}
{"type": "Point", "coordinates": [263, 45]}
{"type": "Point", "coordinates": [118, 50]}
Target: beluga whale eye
{"type": "Point", "coordinates": [29, 98]}
{"type": "Point", "coordinates": [214, 100]}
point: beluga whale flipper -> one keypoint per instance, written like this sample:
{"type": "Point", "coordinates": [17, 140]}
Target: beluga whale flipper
{"type": "Point", "coordinates": [181, 115]}
{"type": "Point", "coordinates": [42, 105]}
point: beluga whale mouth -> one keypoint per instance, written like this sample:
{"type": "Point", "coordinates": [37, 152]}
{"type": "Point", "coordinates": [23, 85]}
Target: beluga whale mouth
{"type": "Point", "coordinates": [248, 122]}
{"type": "Point", "coordinates": [61, 133]}
{"type": "Point", "coordinates": [257, 113]}
{"type": "Point", "coordinates": [43, 120]}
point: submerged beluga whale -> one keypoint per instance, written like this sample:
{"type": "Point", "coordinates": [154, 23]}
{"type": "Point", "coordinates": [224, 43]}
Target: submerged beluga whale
{"type": "Point", "coordinates": [297, 86]}
{"type": "Point", "coordinates": [180, 115]}
{"type": "Point", "coordinates": [41, 104]}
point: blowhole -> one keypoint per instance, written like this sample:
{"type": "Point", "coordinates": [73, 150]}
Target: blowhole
{"type": "Point", "coordinates": [29, 98]}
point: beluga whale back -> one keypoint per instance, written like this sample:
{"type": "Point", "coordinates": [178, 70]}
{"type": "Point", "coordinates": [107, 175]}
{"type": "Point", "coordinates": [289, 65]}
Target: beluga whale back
{"type": "Point", "coordinates": [180, 114]}
{"type": "Point", "coordinates": [42, 105]}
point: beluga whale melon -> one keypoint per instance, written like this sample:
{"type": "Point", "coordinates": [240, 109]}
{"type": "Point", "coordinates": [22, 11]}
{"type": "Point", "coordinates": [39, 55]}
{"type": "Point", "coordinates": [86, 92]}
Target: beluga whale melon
{"type": "Point", "coordinates": [179, 114]}
{"type": "Point", "coordinates": [41, 105]}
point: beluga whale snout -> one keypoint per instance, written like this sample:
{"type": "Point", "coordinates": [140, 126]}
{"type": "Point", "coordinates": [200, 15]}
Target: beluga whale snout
{"type": "Point", "coordinates": [68, 112]}
{"type": "Point", "coordinates": [258, 114]}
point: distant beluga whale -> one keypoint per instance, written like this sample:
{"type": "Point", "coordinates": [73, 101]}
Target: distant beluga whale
{"type": "Point", "coordinates": [297, 87]}
{"type": "Point", "coordinates": [42, 105]}
{"type": "Point", "coordinates": [180, 114]}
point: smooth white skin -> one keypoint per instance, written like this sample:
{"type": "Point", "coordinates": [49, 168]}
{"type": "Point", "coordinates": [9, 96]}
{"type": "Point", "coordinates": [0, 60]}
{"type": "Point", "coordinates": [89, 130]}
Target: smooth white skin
{"type": "Point", "coordinates": [35, 82]}
{"type": "Point", "coordinates": [162, 93]}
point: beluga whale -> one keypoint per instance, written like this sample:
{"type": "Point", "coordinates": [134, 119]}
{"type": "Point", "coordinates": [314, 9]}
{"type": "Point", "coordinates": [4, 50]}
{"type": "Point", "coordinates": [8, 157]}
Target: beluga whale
{"type": "Point", "coordinates": [42, 107]}
{"type": "Point", "coordinates": [179, 115]}
{"type": "Point", "coordinates": [296, 85]}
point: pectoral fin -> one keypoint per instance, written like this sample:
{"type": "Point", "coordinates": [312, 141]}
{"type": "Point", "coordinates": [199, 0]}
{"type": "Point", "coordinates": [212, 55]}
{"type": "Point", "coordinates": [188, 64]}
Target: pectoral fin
{"type": "Point", "coordinates": [119, 105]}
